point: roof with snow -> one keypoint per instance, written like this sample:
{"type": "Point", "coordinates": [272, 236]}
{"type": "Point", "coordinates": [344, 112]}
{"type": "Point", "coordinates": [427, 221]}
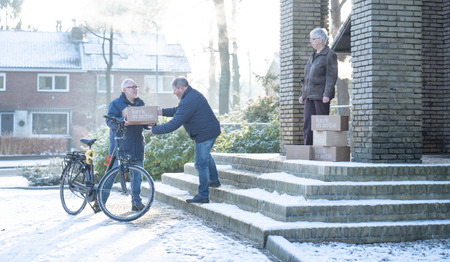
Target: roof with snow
{"type": "Point", "coordinates": [20, 50]}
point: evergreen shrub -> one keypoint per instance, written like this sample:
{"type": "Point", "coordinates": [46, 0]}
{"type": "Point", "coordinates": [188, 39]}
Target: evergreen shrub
{"type": "Point", "coordinates": [43, 175]}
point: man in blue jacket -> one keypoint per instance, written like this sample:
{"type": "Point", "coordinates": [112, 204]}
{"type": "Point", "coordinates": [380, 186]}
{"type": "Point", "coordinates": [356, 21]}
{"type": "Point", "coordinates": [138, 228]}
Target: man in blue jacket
{"type": "Point", "coordinates": [199, 121]}
{"type": "Point", "coordinates": [133, 145]}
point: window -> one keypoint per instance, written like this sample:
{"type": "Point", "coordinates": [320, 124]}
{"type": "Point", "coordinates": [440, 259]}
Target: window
{"type": "Point", "coordinates": [53, 83]}
{"type": "Point", "coordinates": [101, 83]}
{"type": "Point", "coordinates": [164, 84]}
{"type": "Point", "coordinates": [50, 123]}
{"type": "Point", "coordinates": [2, 81]}
{"type": "Point", "coordinates": [7, 124]}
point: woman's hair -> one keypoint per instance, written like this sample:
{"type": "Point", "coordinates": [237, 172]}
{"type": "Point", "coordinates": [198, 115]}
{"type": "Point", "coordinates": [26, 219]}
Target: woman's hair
{"type": "Point", "coordinates": [321, 33]}
{"type": "Point", "coordinates": [180, 81]}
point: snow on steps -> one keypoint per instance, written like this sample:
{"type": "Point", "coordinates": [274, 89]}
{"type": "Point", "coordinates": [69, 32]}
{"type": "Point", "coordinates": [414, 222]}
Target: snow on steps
{"type": "Point", "coordinates": [299, 207]}
{"type": "Point", "coordinates": [288, 208]}
{"type": "Point", "coordinates": [316, 189]}
{"type": "Point", "coordinates": [258, 227]}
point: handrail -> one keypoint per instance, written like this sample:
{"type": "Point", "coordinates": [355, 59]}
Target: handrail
{"type": "Point", "coordinates": [341, 106]}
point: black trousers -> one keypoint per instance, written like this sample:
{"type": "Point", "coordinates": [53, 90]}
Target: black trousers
{"type": "Point", "coordinates": [312, 107]}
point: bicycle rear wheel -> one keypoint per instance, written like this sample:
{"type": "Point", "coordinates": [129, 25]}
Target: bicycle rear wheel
{"type": "Point", "coordinates": [123, 205]}
{"type": "Point", "coordinates": [72, 188]}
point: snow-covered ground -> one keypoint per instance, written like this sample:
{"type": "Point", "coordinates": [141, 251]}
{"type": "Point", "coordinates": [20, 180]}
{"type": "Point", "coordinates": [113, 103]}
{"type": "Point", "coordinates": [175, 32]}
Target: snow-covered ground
{"type": "Point", "coordinates": [34, 227]}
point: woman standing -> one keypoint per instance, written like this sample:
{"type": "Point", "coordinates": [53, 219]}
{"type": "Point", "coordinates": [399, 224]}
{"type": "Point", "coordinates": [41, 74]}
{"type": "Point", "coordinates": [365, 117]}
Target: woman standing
{"type": "Point", "coordinates": [321, 73]}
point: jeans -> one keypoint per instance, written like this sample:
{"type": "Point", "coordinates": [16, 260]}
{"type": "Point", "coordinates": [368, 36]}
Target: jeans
{"type": "Point", "coordinates": [205, 165]}
{"type": "Point", "coordinates": [136, 180]}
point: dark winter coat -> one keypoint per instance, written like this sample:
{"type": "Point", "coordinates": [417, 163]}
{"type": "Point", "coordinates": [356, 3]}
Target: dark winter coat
{"type": "Point", "coordinates": [133, 145]}
{"type": "Point", "coordinates": [321, 73]}
{"type": "Point", "coordinates": [195, 114]}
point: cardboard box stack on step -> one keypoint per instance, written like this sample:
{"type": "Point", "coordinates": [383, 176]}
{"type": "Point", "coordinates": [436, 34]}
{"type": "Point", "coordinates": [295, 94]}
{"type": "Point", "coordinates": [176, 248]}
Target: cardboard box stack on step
{"type": "Point", "coordinates": [329, 140]}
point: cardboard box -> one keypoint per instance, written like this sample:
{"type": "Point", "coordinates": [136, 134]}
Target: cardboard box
{"type": "Point", "coordinates": [299, 152]}
{"type": "Point", "coordinates": [330, 123]}
{"type": "Point", "coordinates": [141, 115]}
{"type": "Point", "coordinates": [331, 153]}
{"type": "Point", "coordinates": [330, 138]}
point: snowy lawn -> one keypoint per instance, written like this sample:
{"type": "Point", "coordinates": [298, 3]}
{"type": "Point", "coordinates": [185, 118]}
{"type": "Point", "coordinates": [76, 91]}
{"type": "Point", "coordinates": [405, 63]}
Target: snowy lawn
{"type": "Point", "coordinates": [34, 227]}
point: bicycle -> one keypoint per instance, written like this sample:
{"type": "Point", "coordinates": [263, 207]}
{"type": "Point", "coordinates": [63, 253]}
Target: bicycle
{"type": "Point", "coordinates": [114, 194]}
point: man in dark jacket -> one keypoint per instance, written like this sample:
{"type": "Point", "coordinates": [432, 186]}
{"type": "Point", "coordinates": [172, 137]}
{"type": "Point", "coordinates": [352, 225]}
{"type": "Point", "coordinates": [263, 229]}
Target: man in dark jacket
{"type": "Point", "coordinates": [133, 145]}
{"type": "Point", "coordinates": [199, 121]}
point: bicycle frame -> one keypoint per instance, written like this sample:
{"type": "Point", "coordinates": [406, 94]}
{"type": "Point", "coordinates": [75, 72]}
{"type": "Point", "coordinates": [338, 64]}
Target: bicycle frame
{"type": "Point", "coordinates": [78, 186]}
{"type": "Point", "coordinates": [116, 152]}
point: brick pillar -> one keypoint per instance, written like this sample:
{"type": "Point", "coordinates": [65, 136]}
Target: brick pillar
{"type": "Point", "coordinates": [446, 17]}
{"type": "Point", "coordinates": [298, 18]}
{"type": "Point", "coordinates": [387, 83]}
{"type": "Point", "coordinates": [435, 60]}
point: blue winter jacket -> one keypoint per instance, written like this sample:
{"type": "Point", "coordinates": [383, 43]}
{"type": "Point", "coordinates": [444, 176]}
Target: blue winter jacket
{"type": "Point", "coordinates": [133, 145]}
{"type": "Point", "coordinates": [195, 114]}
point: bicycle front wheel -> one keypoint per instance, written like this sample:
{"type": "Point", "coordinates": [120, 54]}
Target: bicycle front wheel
{"type": "Point", "coordinates": [72, 189]}
{"type": "Point", "coordinates": [130, 202]}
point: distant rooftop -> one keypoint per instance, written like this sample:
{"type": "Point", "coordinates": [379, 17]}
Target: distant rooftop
{"type": "Point", "coordinates": [23, 50]}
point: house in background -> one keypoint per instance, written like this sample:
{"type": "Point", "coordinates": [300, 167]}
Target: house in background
{"type": "Point", "coordinates": [52, 84]}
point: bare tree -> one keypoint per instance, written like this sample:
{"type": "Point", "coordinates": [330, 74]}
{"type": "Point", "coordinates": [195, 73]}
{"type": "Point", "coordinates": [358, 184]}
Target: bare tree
{"type": "Point", "coordinates": [224, 53]}
{"type": "Point", "coordinates": [213, 96]}
{"type": "Point", "coordinates": [115, 15]}
{"type": "Point", "coordinates": [10, 10]}
{"type": "Point", "coordinates": [234, 56]}
{"type": "Point", "coordinates": [107, 38]}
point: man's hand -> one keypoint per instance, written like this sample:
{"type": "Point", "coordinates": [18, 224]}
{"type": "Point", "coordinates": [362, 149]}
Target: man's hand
{"type": "Point", "coordinates": [325, 99]}
{"type": "Point", "coordinates": [159, 111]}
{"type": "Point", "coordinates": [300, 100]}
{"type": "Point", "coordinates": [149, 131]}
{"type": "Point", "coordinates": [126, 123]}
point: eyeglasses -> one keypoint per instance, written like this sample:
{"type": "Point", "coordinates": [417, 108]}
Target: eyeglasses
{"type": "Point", "coordinates": [133, 87]}
{"type": "Point", "coordinates": [313, 39]}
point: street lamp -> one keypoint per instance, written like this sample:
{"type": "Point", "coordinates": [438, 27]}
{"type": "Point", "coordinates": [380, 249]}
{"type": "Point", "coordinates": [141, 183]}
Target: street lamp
{"type": "Point", "coordinates": [156, 75]}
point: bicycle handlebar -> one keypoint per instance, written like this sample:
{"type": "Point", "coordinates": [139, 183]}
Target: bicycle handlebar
{"type": "Point", "coordinates": [115, 120]}
{"type": "Point", "coordinates": [121, 123]}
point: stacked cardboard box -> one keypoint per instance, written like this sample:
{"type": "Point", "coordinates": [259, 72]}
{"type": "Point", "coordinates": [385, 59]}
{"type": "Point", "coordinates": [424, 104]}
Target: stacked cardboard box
{"type": "Point", "coordinates": [330, 140]}
{"type": "Point", "coordinates": [299, 152]}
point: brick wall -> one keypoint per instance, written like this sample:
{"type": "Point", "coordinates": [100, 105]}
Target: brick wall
{"type": "Point", "coordinates": [387, 82]}
{"type": "Point", "coordinates": [435, 56]}
{"type": "Point", "coordinates": [298, 18]}
{"type": "Point", "coordinates": [446, 111]}
{"type": "Point", "coordinates": [401, 78]}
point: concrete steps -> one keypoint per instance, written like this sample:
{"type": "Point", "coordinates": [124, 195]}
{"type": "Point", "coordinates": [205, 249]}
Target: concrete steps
{"type": "Point", "coordinates": [288, 208]}
{"type": "Point", "coordinates": [298, 207]}
{"type": "Point", "coordinates": [315, 189]}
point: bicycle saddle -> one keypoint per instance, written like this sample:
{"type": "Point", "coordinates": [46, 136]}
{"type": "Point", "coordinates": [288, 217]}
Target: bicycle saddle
{"type": "Point", "coordinates": [88, 142]}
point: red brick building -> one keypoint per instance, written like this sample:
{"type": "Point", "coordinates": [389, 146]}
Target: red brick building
{"type": "Point", "coordinates": [53, 83]}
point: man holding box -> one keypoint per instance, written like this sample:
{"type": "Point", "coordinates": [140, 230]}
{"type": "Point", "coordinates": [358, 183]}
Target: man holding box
{"type": "Point", "coordinates": [199, 121]}
{"type": "Point", "coordinates": [133, 145]}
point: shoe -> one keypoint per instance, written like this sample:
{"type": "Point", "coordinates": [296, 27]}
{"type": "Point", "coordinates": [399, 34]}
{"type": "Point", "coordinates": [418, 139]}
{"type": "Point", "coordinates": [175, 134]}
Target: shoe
{"type": "Point", "coordinates": [138, 207]}
{"type": "Point", "coordinates": [198, 199]}
{"type": "Point", "coordinates": [96, 207]}
{"type": "Point", "coordinates": [214, 183]}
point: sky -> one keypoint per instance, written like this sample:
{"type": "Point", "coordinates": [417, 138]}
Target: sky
{"type": "Point", "coordinates": [186, 23]}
